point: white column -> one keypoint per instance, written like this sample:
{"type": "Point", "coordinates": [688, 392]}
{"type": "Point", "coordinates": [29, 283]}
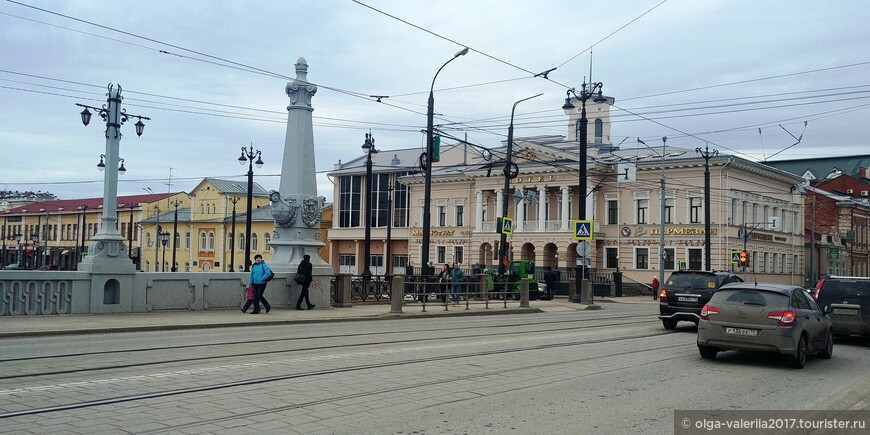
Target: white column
{"type": "Point", "coordinates": [520, 215]}
{"type": "Point", "coordinates": [498, 202]}
{"type": "Point", "coordinates": [542, 208]}
{"type": "Point", "coordinates": [566, 208]}
{"type": "Point", "coordinates": [478, 222]}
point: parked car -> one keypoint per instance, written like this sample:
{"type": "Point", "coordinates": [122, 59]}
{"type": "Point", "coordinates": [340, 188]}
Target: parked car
{"type": "Point", "coordinates": [685, 292]}
{"type": "Point", "coordinates": [14, 266]}
{"type": "Point", "coordinates": [849, 299]}
{"type": "Point", "coordinates": [765, 317]}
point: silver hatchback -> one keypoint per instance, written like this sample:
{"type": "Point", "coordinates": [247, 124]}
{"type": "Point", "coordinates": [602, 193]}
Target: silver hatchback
{"type": "Point", "coordinates": [765, 317]}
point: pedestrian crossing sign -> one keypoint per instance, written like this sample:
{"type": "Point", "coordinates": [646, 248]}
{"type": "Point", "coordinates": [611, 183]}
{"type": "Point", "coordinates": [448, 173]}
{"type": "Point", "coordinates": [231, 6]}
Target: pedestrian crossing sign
{"type": "Point", "coordinates": [582, 230]}
{"type": "Point", "coordinates": [506, 226]}
{"type": "Point", "coordinates": [735, 256]}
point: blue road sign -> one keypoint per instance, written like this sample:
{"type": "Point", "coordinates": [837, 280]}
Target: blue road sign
{"type": "Point", "coordinates": [582, 230]}
{"type": "Point", "coordinates": [735, 256]}
{"type": "Point", "coordinates": [506, 226]}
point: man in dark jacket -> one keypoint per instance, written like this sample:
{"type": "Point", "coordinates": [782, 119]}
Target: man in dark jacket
{"type": "Point", "coordinates": [305, 270]}
{"type": "Point", "coordinates": [551, 278]}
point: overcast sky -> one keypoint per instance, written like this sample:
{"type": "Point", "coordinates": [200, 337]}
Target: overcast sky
{"type": "Point", "coordinates": [695, 71]}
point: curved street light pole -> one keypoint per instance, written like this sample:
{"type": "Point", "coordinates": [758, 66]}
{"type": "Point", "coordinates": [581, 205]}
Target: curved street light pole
{"type": "Point", "coordinates": [508, 175]}
{"type": "Point", "coordinates": [427, 191]}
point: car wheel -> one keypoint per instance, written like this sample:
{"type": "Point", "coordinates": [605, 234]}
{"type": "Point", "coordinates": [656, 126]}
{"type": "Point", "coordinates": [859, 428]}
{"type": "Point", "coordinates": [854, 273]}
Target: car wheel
{"type": "Point", "coordinates": [707, 352]}
{"type": "Point", "coordinates": [829, 346]}
{"type": "Point", "coordinates": [799, 359]}
{"type": "Point", "coordinates": [669, 323]}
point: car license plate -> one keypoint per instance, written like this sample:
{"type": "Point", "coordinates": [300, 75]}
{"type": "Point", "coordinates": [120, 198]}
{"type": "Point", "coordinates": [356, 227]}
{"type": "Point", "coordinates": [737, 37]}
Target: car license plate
{"type": "Point", "coordinates": [686, 299]}
{"type": "Point", "coordinates": [845, 312]}
{"type": "Point", "coordinates": [742, 331]}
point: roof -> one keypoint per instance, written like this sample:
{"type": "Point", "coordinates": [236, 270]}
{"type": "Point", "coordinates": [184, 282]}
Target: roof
{"type": "Point", "coordinates": [67, 205]}
{"type": "Point", "coordinates": [821, 167]}
{"type": "Point", "coordinates": [232, 187]}
{"type": "Point", "coordinates": [384, 161]}
{"type": "Point", "coordinates": [183, 216]}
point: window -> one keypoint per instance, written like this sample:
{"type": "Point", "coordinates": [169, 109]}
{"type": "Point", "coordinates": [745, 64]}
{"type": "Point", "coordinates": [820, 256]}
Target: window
{"type": "Point", "coordinates": [187, 240]}
{"type": "Point", "coordinates": [349, 201]}
{"type": "Point", "coordinates": [400, 204]}
{"type": "Point", "coordinates": [764, 263]}
{"type": "Point", "coordinates": [266, 239]}
{"type": "Point", "coordinates": [177, 240]}
{"type": "Point", "coordinates": [458, 254]}
{"type": "Point", "coordinates": [611, 258]}
{"type": "Point", "coordinates": [241, 241]}
{"type": "Point", "coordinates": [376, 262]}
{"type": "Point", "coordinates": [255, 242]}
{"type": "Point", "coordinates": [783, 216]}
{"type": "Point", "coordinates": [346, 263]}
{"type": "Point", "coordinates": [669, 210]}
{"type": "Point", "coordinates": [380, 200]}
{"type": "Point", "coordinates": [147, 239]}
{"type": "Point", "coordinates": [695, 257]}
{"type": "Point", "coordinates": [766, 214]}
{"type": "Point", "coordinates": [642, 210]}
{"type": "Point", "coordinates": [599, 130]}
{"type": "Point", "coordinates": [670, 258]}
{"type": "Point", "coordinates": [613, 212]}
{"type": "Point", "coordinates": [399, 263]}
{"type": "Point", "coordinates": [442, 216]}
{"type": "Point", "coordinates": [441, 254]}
{"type": "Point", "coordinates": [745, 211]}
{"type": "Point", "coordinates": [754, 213]}
{"type": "Point", "coordinates": [695, 210]}
{"type": "Point", "coordinates": [148, 266]}
{"type": "Point", "coordinates": [733, 211]}
{"type": "Point", "coordinates": [460, 215]}
{"type": "Point", "coordinates": [775, 262]}
{"type": "Point", "coordinates": [211, 241]}
{"type": "Point", "coordinates": [641, 258]}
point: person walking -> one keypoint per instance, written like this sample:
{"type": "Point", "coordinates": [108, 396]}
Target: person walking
{"type": "Point", "coordinates": [443, 280]}
{"type": "Point", "coordinates": [551, 278]}
{"type": "Point", "coordinates": [305, 270]}
{"type": "Point", "coordinates": [655, 287]}
{"type": "Point", "coordinates": [260, 274]}
{"type": "Point", "coordinates": [457, 276]}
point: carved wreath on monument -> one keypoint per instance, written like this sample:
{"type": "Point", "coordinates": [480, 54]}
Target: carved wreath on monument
{"type": "Point", "coordinates": [284, 210]}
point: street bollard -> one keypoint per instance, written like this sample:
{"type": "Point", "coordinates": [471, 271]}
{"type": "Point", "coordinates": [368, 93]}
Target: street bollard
{"type": "Point", "coordinates": [397, 294]}
{"type": "Point", "coordinates": [342, 292]}
{"type": "Point", "coordinates": [524, 293]}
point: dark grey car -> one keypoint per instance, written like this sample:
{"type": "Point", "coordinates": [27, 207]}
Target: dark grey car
{"type": "Point", "coordinates": [849, 299]}
{"type": "Point", "coordinates": [765, 317]}
{"type": "Point", "coordinates": [684, 293]}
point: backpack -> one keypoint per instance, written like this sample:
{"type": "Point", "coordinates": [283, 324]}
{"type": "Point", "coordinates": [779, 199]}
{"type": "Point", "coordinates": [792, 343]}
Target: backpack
{"type": "Point", "coordinates": [271, 275]}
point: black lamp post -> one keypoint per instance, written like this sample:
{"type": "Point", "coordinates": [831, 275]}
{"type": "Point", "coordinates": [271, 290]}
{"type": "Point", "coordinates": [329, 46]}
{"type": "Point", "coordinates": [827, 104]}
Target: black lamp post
{"type": "Point", "coordinates": [130, 232]}
{"type": "Point", "coordinates": [234, 200]}
{"type": "Point", "coordinates": [21, 240]}
{"type": "Point", "coordinates": [248, 154]}
{"type": "Point", "coordinates": [510, 171]}
{"type": "Point", "coordinates": [164, 239]}
{"type": "Point", "coordinates": [369, 148]}
{"type": "Point", "coordinates": [34, 264]}
{"type": "Point", "coordinates": [5, 228]}
{"type": "Point", "coordinates": [707, 155]}
{"type": "Point", "coordinates": [426, 159]}
{"type": "Point", "coordinates": [586, 91]}
{"type": "Point", "coordinates": [175, 237]}
{"type": "Point", "coordinates": [81, 255]}
{"type": "Point", "coordinates": [388, 269]}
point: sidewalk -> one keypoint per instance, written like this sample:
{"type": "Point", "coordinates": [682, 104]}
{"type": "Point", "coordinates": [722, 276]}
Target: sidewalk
{"type": "Point", "coordinates": [35, 326]}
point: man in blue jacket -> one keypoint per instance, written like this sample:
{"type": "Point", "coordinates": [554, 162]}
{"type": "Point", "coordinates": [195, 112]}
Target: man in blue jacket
{"type": "Point", "coordinates": [259, 275]}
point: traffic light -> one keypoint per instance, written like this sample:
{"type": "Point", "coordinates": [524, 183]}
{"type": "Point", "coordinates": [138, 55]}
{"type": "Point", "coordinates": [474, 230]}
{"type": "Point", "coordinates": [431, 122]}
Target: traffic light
{"type": "Point", "coordinates": [436, 149]}
{"type": "Point", "coordinates": [744, 257]}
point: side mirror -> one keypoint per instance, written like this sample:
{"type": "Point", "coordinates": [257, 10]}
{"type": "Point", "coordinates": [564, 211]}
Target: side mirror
{"type": "Point", "coordinates": [827, 309]}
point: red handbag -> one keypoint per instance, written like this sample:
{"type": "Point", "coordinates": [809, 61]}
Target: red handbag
{"type": "Point", "coordinates": [250, 292]}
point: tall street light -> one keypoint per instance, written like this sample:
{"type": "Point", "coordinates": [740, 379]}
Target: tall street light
{"type": "Point", "coordinates": [426, 160]}
{"type": "Point", "coordinates": [233, 200]}
{"type": "Point", "coordinates": [21, 239]}
{"type": "Point", "coordinates": [707, 155]}
{"type": "Point", "coordinates": [248, 154]}
{"type": "Point", "coordinates": [510, 171]}
{"type": "Point", "coordinates": [586, 91]}
{"type": "Point", "coordinates": [369, 148]}
{"type": "Point", "coordinates": [164, 239]}
{"type": "Point", "coordinates": [3, 258]}
{"type": "Point", "coordinates": [175, 237]}
{"type": "Point", "coordinates": [108, 242]}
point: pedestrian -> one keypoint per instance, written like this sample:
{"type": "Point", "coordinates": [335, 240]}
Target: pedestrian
{"type": "Point", "coordinates": [457, 276]}
{"type": "Point", "coordinates": [443, 280]}
{"type": "Point", "coordinates": [305, 270]}
{"type": "Point", "coordinates": [260, 274]}
{"type": "Point", "coordinates": [249, 299]}
{"type": "Point", "coordinates": [655, 287]}
{"type": "Point", "coordinates": [551, 278]}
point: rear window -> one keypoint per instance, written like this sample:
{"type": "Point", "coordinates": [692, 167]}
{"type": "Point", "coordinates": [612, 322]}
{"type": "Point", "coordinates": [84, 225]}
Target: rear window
{"type": "Point", "coordinates": [749, 297]}
{"type": "Point", "coordinates": [836, 288]}
{"type": "Point", "coordinates": [692, 280]}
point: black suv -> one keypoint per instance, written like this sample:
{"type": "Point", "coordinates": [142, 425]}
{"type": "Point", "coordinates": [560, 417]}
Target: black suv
{"type": "Point", "coordinates": [849, 299]}
{"type": "Point", "coordinates": [685, 292]}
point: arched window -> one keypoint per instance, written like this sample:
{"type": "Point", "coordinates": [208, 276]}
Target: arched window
{"type": "Point", "coordinates": [211, 241]}
{"type": "Point", "coordinates": [255, 245]}
{"type": "Point", "coordinates": [202, 209]}
{"type": "Point", "coordinates": [187, 240]}
{"type": "Point", "coordinates": [266, 239]}
{"type": "Point", "coordinates": [147, 239]}
{"type": "Point", "coordinates": [202, 240]}
{"type": "Point", "coordinates": [206, 266]}
{"type": "Point", "coordinates": [599, 130]}
{"type": "Point", "coordinates": [187, 267]}
{"type": "Point", "coordinates": [177, 240]}
{"type": "Point", "coordinates": [241, 241]}
{"type": "Point", "coordinates": [148, 266]}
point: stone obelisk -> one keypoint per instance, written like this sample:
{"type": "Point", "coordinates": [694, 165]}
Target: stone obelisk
{"type": "Point", "coordinates": [296, 207]}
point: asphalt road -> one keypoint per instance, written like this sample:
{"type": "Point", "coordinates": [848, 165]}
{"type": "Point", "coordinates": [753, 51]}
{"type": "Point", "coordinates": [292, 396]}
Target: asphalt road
{"type": "Point", "coordinates": [610, 371]}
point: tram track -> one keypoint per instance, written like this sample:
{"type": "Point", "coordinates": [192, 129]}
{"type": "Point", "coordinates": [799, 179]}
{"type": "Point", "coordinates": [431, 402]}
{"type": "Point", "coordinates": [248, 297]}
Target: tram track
{"type": "Point", "coordinates": [353, 367]}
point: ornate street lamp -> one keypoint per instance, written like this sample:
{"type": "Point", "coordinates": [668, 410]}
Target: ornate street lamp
{"type": "Point", "coordinates": [234, 200]}
{"type": "Point", "coordinates": [426, 160]}
{"type": "Point", "coordinates": [164, 239]}
{"type": "Point", "coordinates": [587, 91]}
{"type": "Point", "coordinates": [706, 154]}
{"type": "Point", "coordinates": [369, 148]}
{"type": "Point", "coordinates": [175, 236]}
{"type": "Point", "coordinates": [248, 154]}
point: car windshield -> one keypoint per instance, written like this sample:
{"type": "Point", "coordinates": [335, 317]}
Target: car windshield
{"type": "Point", "coordinates": [692, 280]}
{"type": "Point", "coordinates": [749, 297]}
{"type": "Point", "coordinates": [836, 288]}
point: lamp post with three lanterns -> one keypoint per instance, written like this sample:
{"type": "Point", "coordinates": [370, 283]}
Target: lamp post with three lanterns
{"type": "Point", "coordinates": [248, 154]}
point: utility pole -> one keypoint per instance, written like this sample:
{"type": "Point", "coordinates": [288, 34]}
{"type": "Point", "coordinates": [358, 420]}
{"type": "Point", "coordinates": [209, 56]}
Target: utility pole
{"type": "Point", "coordinates": [707, 155]}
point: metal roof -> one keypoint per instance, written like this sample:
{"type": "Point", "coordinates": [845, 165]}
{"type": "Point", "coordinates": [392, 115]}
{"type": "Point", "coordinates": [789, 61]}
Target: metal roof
{"type": "Point", "coordinates": [821, 167]}
{"type": "Point", "coordinates": [232, 187]}
{"type": "Point", "coordinates": [67, 205]}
